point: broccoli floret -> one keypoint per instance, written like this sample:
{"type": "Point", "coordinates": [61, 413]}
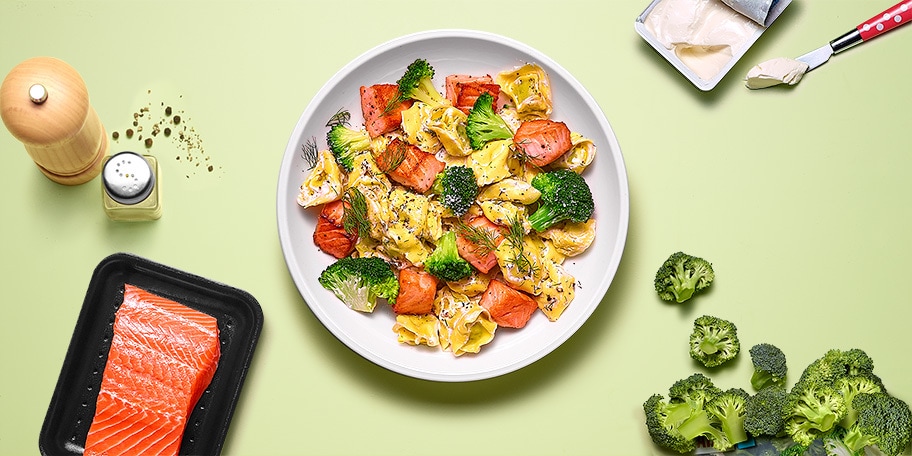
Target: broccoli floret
{"type": "Point", "coordinates": [358, 282]}
{"type": "Point", "coordinates": [714, 341]}
{"type": "Point", "coordinates": [764, 412]}
{"type": "Point", "coordinates": [811, 410]}
{"type": "Point", "coordinates": [676, 423]}
{"type": "Point", "coordinates": [769, 366]}
{"type": "Point", "coordinates": [794, 450]}
{"type": "Point", "coordinates": [484, 125]}
{"type": "Point", "coordinates": [456, 187]}
{"type": "Point", "coordinates": [835, 364]}
{"type": "Point", "coordinates": [345, 143]}
{"type": "Point", "coordinates": [445, 263]}
{"type": "Point", "coordinates": [417, 84]}
{"type": "Point", "coordinates": [729, 409]}
{"type": "Point", "coordinates": [883, 420]}
{"type": "Point", "coordinates": [662, 422]}
{"type": "Point", "coordinates": [682, 275]}
{"type": "Point", "coordinates": [850, 387]}
{"type": "Point", "coordinates": [565, 195]}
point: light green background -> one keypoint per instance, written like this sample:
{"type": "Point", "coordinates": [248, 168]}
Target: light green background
{"type": "Point", "coordinates": [799, 196]}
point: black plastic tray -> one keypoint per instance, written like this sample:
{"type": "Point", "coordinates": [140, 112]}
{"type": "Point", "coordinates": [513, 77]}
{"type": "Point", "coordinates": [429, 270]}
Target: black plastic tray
{"type": "Point", "coordinates": [240, 320]}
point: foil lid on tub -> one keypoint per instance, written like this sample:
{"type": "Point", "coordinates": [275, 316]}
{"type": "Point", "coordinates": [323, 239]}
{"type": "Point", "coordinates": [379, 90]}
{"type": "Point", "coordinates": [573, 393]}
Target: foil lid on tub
{"type": "Point", "coordinates": [704, 39]}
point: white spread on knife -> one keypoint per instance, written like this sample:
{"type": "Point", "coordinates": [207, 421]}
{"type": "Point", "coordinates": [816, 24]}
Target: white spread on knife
{"type": "Point", "coordinates": [704, 34]}
{"type": "Point", "coordinates": [777, 71]}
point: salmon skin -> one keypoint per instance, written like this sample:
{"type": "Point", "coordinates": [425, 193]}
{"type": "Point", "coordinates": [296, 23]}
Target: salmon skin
{"type": "Point", "coordinates": [163, 356]}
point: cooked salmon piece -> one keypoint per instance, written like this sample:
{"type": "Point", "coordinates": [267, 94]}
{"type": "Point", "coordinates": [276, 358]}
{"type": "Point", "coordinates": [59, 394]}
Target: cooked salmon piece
{"type": "Point", "coordinates": [162, 358]}
{"type": "Point", "coordinates": [417, 169]}
{"type": "Point", "coordinates": [479, 255]}
{"type": "Point", "coordinates": [329, 235]}
{"type": "Point", "coordinates": [462, 90]}
{"type": "Point", "coordinates": [543, 140]}
{"type": "Point", "coordinates": [417, 289]}
{"type": "Point", "coordinates": [509, 307]}
{"type": "Point", "coordinates": [380, 116]}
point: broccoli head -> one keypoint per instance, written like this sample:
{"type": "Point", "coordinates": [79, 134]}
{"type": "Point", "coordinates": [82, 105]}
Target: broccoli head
{"type": "Point", "coordinates": [358, 282]}
{"type": "Point", "coordinates": [769, 366]}
{"type": "Point", "coordinates": [565, 195]}
{"type": "Point", "coordinates": [682, 275]}
{"type": "Point", "coordinates": [345, 143]}
{"type": "Point", "coordinates": [714, 341]}
{"type": "Point", "coordinates": [484, 125]}
{"type": "Point", "coordinates": [662, 422]}
{"type": "Point", "coordinates": [445, 263]}
{"type": "Point", "coordinates": [764, 412]}
{"type": "Point", "coordinates": [678, 422]}
{"type": "Point", "coordinates": [850, 387]}
{"type": "Point", "coordinates": [417, 84]}
{"type": "Point", "coordinates": [729, 409]}
{"type": "Point", "coordinates": [883, 420]}
{"type": "Point", "coordinates": [811, 410]}
{"type": "Point", "coordinates": [456, 187]}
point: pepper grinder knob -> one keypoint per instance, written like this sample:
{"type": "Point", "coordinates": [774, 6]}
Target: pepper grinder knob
{"type": "Point", "coordinates": [45, 105]}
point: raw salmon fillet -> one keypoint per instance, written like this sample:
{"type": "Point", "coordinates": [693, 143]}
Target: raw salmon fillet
{"type": "Point", "coordinates": [163, 356]}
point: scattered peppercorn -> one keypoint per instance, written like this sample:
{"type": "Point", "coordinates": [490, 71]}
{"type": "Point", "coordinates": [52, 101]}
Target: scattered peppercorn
{"type": "Point", "coordinates": [115, 135]}
{"type": "Point", "coordinates": [129, 132]}
{"type": "Point", "coordinates": [148, 143]}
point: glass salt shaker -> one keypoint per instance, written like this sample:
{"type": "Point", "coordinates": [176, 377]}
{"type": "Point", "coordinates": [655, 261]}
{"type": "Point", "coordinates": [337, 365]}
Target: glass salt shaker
{"type": "Point", "coordinates": [131, 187]}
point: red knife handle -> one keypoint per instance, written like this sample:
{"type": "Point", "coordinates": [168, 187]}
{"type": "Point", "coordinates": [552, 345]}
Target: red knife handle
{"type": "Point", "coordinates": [899, 14]}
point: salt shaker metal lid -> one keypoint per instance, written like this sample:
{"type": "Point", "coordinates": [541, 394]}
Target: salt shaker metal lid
{"type": "Point", "coordinates": [128, 178]}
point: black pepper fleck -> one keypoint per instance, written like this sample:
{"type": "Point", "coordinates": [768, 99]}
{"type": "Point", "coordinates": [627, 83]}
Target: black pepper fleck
{"type": "Point", "coordinates": [115, 135]}
{"type": "Point", "coordinates": [148, 142]}
{"type": "Point", "coordinates": [129, 132]}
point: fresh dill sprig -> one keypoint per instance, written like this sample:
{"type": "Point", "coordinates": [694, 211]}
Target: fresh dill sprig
{"type": "Point", "coordinates": [483, 240]}
{"type": "Point", "coordinates": [354, 213]}
{"type": "Point", "coordinates": [519, 260]}
{"type": "Point", "coordinates": [341, 117]}
{"type": "Point", "coordinates": [309, 152]}
{"type": "Point", "coordinates": [392, 156]}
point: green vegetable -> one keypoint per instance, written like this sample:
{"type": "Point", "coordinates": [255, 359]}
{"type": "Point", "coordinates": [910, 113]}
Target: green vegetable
{"type": "Point", "coordinates": [883, 420]}
{"type": "Point", "coordinates": [764, 412]}
{"type": "Point", "coordinates": [358, 282]}
{"type": "Point", "coordinates": [417, 84]}
{"type": "Point", "coordinates": [850, 387]}
{"type": "Point", "coordinates": [682, 275]}
{"type": "Point", "coordinates": [769, 366]}
{"type": "Point", "coordinates": [729, 409]}
{"type": "Point", "coordinates": [346, 143]}
{"type": "Point", "coordinates": [811, 410]}
{"type": "Point", "coordinates": [565, 195]}
{"type": "Point", "coordinates": [714, 341]}
{"type": "Point", "coordinates": [445, 263]}
{"type": "Point", "coordinates": [456, 187]}
{"type": "Point", "coordinates": [484, 125]}
{"type": "Point", "coordinates": [677, 422]}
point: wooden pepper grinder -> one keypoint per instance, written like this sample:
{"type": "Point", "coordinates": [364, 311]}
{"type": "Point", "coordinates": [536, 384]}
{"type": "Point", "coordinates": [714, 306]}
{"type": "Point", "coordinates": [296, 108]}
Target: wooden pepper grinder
{"type": "Point", "coordinates": [45, 105]}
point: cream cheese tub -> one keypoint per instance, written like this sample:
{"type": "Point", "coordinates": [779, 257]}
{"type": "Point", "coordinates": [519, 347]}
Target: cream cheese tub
{"type": "Point", "coordinates": [703, 39]}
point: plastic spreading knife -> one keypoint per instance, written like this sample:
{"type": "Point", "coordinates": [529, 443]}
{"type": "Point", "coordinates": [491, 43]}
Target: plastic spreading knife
{"type": "Point", "coordinates": [893, 17]}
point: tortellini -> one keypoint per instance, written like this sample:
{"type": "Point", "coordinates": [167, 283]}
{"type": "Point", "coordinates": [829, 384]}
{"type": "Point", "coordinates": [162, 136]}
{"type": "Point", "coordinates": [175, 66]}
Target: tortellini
{"type": "Point", "coordinates": [492, 162]}
{"type": "Point", "coordinates": [558, 290]}
{"type": "Point", "coordinates": [415, 121]}
{"type": "Point", "coordinates": [418, 330]}
{"type": "Point", "coordinates": [510, 189]}
{"type": "Point", "coordinates": [324, 183]}
{"type": "Point", "coordinates": [580, 155]}
{"type": "Point", "coordinates": [530, 89]}
{"type": "Point", "coordinates": [449, 124]}
{"type": "Point", "coordinates": [571, 238]}
{"type": "Point", "coordinates": [464, 325]}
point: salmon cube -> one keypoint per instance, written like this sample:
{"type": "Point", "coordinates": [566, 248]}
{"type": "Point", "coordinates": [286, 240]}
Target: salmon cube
{"type": "Point", "coordinates": [417, 169]}
{"type": "Point", "coordinates": [543, 140]}
{"type": "Point", "coordinates": [462, 90]}
{"type": "Point", "coordinates": [329, 235]}
{"type": "Point", "coordinates": [381, 113]}
{"type": "Point", "coordinates": [480, 256]}
{"type": "Point", "coordinates": [509, 307]}
{"type": "Point", "coordinates": [417, 290]}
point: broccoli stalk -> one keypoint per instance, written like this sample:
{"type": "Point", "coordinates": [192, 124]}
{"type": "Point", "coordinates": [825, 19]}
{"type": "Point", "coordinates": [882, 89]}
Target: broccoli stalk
{"type": "Point", "coordinates": [769, 366]}
{"type": "Point", "coordinates": [565, 195]}
{"type": "Point", "coordinates": [445, 263]}
{"type": "Point", "coordinates": [359, 282]}
{"type": "Point", "coordinates": [883, 420]}
{"type": "Point", "coordinates": [417, 84]}
{"type": "Point", "coordinates": [662, 422]}
{"type": "Point", "coordinates": [728, 408]}
{"type": "Point", "coordinates": [484, 125]}
{"type": "Point", "coordinates": [345, 143]}
{"type": "Point", "coordinates": [702, 424]}
{"type": "Point", "coordinates": [682, 275]}
{"type": "Point", "coordinates": [456, 187]}
{"type": "Point", "coordinates": [714, 341]}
